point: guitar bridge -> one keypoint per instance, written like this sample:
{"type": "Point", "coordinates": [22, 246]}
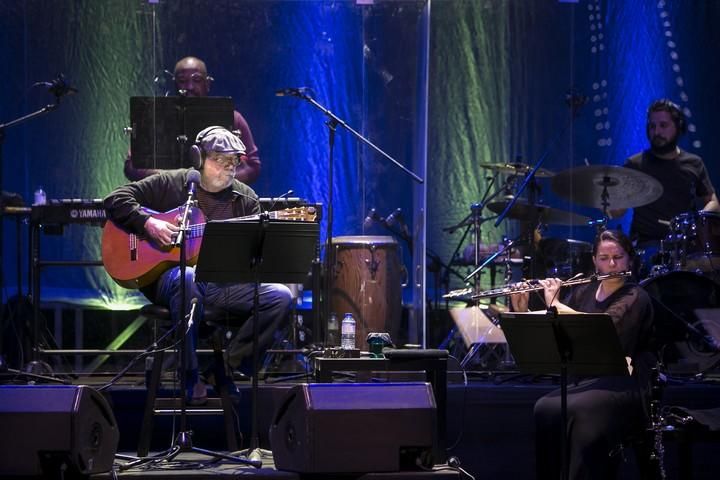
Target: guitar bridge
{"type": "Point", "coordinates": [133, 247]}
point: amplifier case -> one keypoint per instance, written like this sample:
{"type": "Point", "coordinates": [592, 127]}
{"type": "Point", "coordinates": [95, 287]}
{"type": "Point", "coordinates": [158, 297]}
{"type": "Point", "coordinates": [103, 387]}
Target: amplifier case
{"type": "Point", "coordinates": [44, 427]}
{"type": "Point", "coordinates": [353, 428]}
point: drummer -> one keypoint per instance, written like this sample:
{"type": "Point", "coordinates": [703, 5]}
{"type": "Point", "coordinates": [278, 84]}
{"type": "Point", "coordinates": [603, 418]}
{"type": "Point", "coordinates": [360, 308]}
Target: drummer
{"type": "Point", "coordinates": [683, 176]}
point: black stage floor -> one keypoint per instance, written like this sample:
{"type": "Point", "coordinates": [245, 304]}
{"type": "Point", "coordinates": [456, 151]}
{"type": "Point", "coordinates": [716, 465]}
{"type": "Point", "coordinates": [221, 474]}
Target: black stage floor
{"type": "Point", "coordinates": [489, 429]}
{"type": "Point", "coordinates": [489, 423]}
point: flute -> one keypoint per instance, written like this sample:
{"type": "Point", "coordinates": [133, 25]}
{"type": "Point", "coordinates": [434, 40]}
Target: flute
{"type": "Point", "coordinates": [529, 286]}
{"type": "Point", "coordinates": [532, 285]}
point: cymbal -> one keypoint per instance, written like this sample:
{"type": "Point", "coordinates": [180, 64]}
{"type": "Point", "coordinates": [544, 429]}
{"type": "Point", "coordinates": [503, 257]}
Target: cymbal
{"type": "Point", "coordinates": [522, 211]}
{"type": "Point", "coordinates": [626, 188]}
{"type": "Point", "coordinates": [517, 169]}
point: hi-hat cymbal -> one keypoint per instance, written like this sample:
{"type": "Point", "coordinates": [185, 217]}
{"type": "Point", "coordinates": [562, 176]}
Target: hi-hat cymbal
{"type": "Point", "coordinates": [523, 211]}
{"type": "Point", "coordinates": [626, 188]}
{"type": "Point", "coordinates": [517, 169]}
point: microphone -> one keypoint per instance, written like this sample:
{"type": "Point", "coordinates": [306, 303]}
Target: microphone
{"type": "Point", "coordinates": [191, 315]}
{"type": "Point", "coordinates": [371, 218]}
{"type": "Point", "coordinates": [291, 92]}
{"type": "Point", "coordinates": [275, 199]}
{"type": "Point", "coordinates": [193, 179]}
{"type": "Point", "coordinates": [58, 86]}
{"type": "Point", "coordinates": [396, 218]}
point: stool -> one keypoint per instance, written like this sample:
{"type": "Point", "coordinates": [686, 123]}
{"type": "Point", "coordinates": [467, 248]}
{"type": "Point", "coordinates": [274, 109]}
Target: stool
{"type": "Point", "coordinates": [217, 319]}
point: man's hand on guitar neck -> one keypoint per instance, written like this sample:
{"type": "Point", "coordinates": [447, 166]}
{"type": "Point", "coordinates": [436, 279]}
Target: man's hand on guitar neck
{"type": "Point", "coordinates": [161, 232]}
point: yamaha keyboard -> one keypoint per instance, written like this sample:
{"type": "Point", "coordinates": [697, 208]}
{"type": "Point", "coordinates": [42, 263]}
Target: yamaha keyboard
{"type": "Point", "coordinates": [66, 211]}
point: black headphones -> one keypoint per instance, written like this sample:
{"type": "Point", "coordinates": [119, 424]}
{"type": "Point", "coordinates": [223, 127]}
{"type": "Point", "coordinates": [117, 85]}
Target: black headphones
{"type": "Point", "coordinates": [676, 113]}
{"type": "Point", "coordinates": [197, 153]}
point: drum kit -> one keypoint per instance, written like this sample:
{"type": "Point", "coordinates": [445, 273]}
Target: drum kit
{"type": "Point", "coordinates": [604, 187]}
{"type": "Point", "coordinates": [682, 279]}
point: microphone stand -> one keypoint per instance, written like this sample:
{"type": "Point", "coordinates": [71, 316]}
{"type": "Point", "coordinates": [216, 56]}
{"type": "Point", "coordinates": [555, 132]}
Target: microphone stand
{"type": "Point", "coordinates": [3, 126]}
{"type": "Point", "coordinates": [472, 222]}
{"type": "Point", "coordinates": [255, 453]}
{"type": "Point", "coordinates": [575, 102]}
{"type": "Point", "coordinates": [332, 123]}
{"type": "Point", "coordinates": [183, 441]}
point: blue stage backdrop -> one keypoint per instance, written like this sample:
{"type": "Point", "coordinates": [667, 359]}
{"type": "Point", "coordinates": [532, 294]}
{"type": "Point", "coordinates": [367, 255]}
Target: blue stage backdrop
{"type": "Point", "coordinates": [500, 71]}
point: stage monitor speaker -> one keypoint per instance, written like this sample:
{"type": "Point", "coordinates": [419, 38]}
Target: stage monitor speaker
{"type": "Point", "coordinates": [354, 428]}
{"type": "Point", "coordinates": [48, 429]}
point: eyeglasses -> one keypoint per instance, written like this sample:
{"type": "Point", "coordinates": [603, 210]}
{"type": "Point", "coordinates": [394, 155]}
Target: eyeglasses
{"type": "Point", "coordinates": [226, 160]}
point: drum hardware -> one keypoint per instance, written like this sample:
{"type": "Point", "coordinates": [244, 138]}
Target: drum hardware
{"type": "Point", "coordinates": [687, 320]}
{"type": "Point", "coordinates": [606, 186]}
{"type": "Point", "coordinates": [522, 210]}
{"type": "Point", "coordinates": [372, 263]}
{"type": "Point", "coordinates": [534, 285]}
{"type": "Point", "coordinates": [506, 248]}
{"type": "Point", "coordinates": [473, 222]}
{"type": "Point", "coordinates": [565, 257]}
{"type": "Point", "coordinates": [532, 173]}
{"type": "Point", "coordinates": [534, 215]}
{"type": "Point", "coordinates": [695, 237]}
{"type": "Point", "coordinates": [516, 169]}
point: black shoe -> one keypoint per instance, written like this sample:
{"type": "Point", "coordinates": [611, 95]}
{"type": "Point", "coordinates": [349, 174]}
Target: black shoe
{"type": "Point", "coordinates": [232, 389]}
{"type": "Point", "coordinates": [197, 395]}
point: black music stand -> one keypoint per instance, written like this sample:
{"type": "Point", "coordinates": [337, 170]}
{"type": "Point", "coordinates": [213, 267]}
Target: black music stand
{"type": "Point", "coordinates": [578, 344]}
{"type": "Point", "coordinates": [163, 127]}
{"type": "Point", "coordinates": [254, 251]}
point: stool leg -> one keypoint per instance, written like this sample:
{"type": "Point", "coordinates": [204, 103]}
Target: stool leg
{"type": "Point", "coordinates": [221, 380]}
{"type": "Point", "coordinates": [148, 415]}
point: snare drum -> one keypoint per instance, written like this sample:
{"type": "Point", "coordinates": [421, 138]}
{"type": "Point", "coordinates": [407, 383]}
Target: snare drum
{"type": "Point", "coordinates": [367, 282]}
{"type": "Point", "coordinates": [695, 241]}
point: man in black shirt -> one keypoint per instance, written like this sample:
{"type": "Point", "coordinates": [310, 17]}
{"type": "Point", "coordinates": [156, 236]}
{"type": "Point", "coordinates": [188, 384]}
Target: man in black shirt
{"type": "Point", "coordinates": [191, 79]}
{"type": "Point", "coordinates": [220, 196]}
{"type": "Point", "coordinates": [685, 181]}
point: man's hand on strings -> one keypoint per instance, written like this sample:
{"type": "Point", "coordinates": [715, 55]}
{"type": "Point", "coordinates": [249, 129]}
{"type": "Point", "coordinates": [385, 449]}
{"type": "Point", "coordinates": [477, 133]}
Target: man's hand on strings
{"type": "Point", "coordinates": [161, 232]}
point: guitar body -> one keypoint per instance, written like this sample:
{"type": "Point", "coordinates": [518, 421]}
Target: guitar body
{"type": "Point", "coordinates": [134, 261]}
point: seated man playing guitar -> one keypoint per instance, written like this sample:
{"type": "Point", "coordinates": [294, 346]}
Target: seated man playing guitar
{"type": "Point", "coordinates": [138, 249]}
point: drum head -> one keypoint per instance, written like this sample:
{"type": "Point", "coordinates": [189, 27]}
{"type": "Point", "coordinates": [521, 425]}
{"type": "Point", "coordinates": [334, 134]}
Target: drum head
{"type": "Point", "coordinates": [687, 319]}
{"type": "Point", "coordinates": [565, 257]}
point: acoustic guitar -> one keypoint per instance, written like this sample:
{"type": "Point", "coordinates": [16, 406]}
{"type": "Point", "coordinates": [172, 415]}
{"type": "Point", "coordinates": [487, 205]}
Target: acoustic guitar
{"type": "Point", "coordinates": [135, 261]}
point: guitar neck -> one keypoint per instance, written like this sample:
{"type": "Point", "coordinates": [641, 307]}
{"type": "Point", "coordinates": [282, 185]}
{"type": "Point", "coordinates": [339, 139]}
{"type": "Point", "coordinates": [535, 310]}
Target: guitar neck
{"type": "Point", "coordinates": [303, 214]}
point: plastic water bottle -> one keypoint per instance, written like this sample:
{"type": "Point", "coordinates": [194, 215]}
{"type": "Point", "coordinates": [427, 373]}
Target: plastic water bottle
{"type": "Point", "coordinates": [333, 331]}
{"type": "Point", "coordinates": [39, 198]}
{"type": "Point", "coordinates": [347, 338]}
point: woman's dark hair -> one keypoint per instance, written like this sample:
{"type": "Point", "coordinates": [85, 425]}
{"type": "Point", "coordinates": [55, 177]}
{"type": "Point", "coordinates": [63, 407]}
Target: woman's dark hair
{"type": "Point", "coordinates": [616, 236]}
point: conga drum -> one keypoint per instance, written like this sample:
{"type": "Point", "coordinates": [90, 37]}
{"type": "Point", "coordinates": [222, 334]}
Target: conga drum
{"type": "Point", "coordinates": [367, 283]}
